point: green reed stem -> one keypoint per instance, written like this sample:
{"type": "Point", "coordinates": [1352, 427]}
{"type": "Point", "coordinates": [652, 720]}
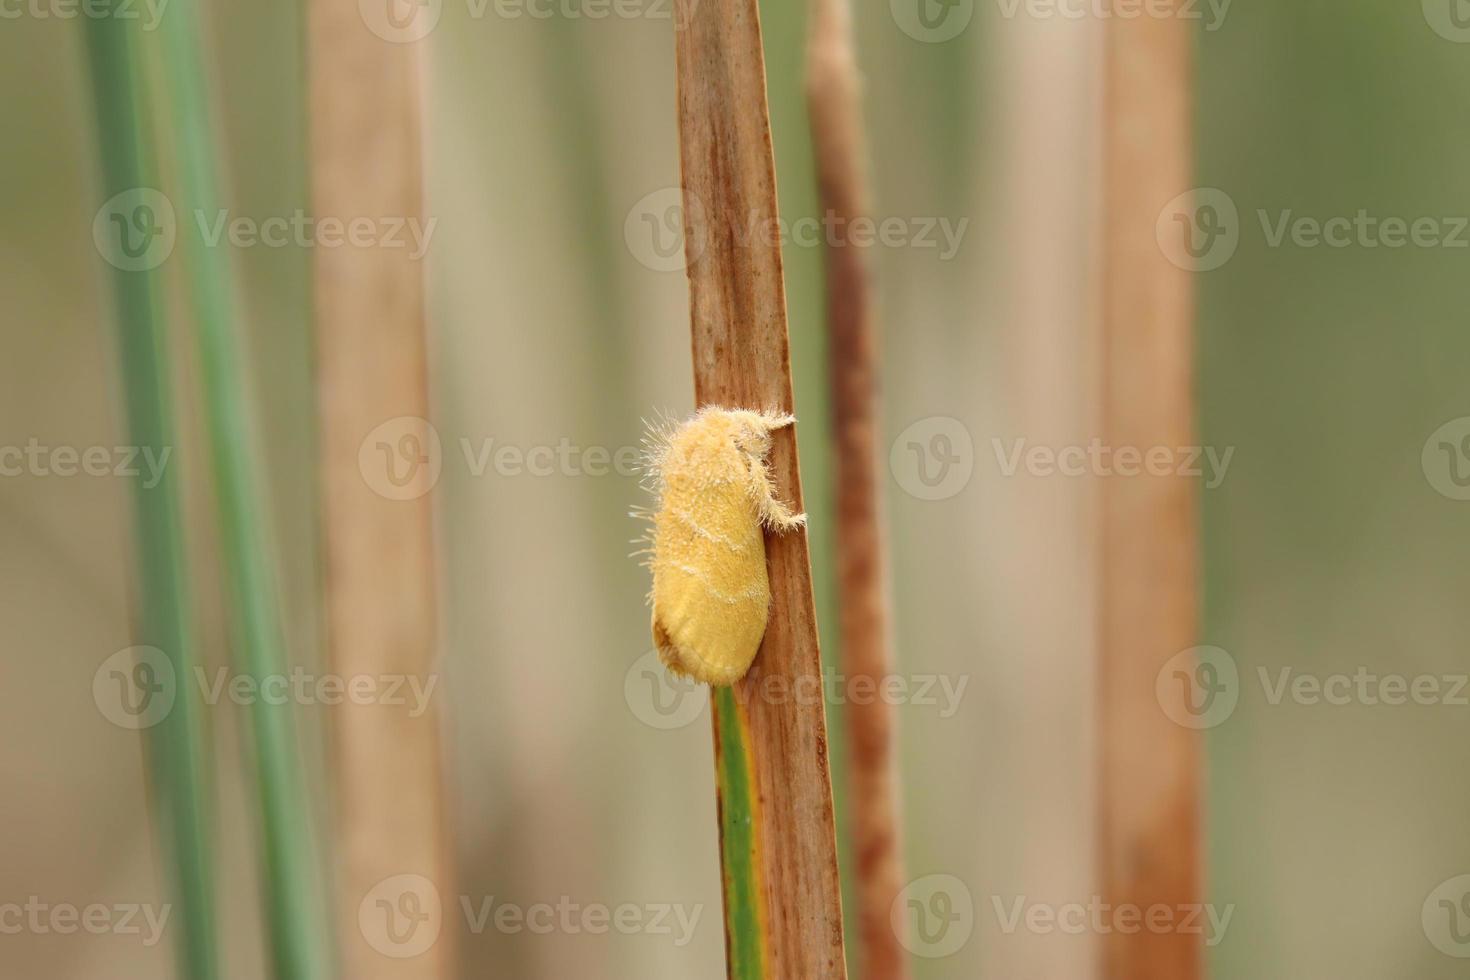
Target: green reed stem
{"type": "Point", "coordinates": [296, 911]}
{"type": "Point", "coordinates": [177, 751]}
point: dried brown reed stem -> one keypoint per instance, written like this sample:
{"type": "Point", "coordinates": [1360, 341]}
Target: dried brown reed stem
{"type": "Point", "coordinates": [742, 359]}
{"type": "Point", "coordinates": [1150, 783]}
{"type": "Point", "coordinates": [379, 547]}
{"type": "Point", "coordinates": [840, 148]}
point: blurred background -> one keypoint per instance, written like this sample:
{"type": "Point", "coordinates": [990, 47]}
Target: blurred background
{"type": "Point", "coordinates": [1331, 368]}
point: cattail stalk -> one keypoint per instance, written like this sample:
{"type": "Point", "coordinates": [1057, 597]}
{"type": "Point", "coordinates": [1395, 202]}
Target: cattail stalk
{"type": "Point", "coordinates": [783, 907]}
{"type": "Point", "coordinates": [840, 149]}
{"type": "Point", "coordinates": [372, 362]}
{"type": "Point", "coordinates": [1150, 782]}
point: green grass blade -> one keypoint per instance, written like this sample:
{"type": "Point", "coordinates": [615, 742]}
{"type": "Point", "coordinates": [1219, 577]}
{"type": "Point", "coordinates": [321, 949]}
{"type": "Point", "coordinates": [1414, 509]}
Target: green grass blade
{"type": "Point", "coordinates": [178, 753]}
{"type": "Point", "coordinates": [739, 850]}
{"type": "Point", "coordinates": [295, 905]}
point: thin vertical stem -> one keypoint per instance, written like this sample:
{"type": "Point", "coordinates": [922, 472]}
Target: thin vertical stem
{"type": "Point", "coordinates": [778, 844]}
{"type": "Point", "coordinates": [178, 751]}
{"type": "Point", "coordinates": [1149, 805]}
{"type": "Point", "coordinates": [295, 909]}
{"type": "Point", "coordinates": [372, 362]}
{"type": "Point", "coordinates": [840, 147]}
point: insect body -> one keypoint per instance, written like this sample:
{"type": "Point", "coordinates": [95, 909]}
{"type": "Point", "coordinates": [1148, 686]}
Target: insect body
{"type": "Point", "coordinates": [711, 597]}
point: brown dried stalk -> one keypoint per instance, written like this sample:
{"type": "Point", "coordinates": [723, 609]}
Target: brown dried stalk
{"type": "Point", "coordinates": [742, 359]}
{"type": "Point", "coordinates": [839, 144]}
{"type": "Point", "coordinates": [1149, 806]}
{"type": "Point", "coordinates": [379, 551]}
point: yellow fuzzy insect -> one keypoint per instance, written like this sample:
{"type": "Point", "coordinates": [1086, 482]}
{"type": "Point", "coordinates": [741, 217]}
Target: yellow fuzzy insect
{"type": "Point", "coordinates": [711, 597]}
